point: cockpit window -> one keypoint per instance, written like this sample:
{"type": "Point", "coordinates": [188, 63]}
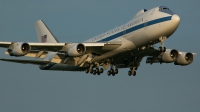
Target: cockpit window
{"type": "Point", "coordinates": [163, 8]}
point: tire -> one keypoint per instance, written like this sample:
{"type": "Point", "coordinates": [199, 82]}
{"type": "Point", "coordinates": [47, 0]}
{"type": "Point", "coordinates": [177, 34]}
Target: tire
{"type": "Point", "coordinates": [109, 72]}
{"type": "Point", "coordinates": [160, 49]}
{"type": "Point", "coordinates": [87, 71]}
{"type": "Point", "coordinates": [134, 74]}
{"type": "Point", "coordinates": [164, 49]}
{"type": "Point", "coordinates": [101, 70]}
{"type": "Point", "coordinates": [113, 74]}
{"type": "Point", "coordinates": [136, 68]}
{"type": "Point", "coordinates": [116, 71]}
{"type": "Point", "coordinates": [94, 72]}
{"type": "Point", "coordinates": [97, 70]}
{"type": "Point", "coordinates": [91, 71]}
{"type": "Point", "coordinates": [112, 71]}
{"type": "Point", "coordinates": [129, 73]}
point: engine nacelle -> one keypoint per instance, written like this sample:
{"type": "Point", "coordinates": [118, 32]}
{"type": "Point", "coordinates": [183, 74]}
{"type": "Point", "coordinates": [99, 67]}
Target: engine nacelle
{"type": "Point", "coordinates": [19, 49]}
{"type": "Point", "coordinates": [76, 50]}
{"type": "Point", "coordinates": [169, 56]}
{"type": "Point", "coordinates": [184, 59]}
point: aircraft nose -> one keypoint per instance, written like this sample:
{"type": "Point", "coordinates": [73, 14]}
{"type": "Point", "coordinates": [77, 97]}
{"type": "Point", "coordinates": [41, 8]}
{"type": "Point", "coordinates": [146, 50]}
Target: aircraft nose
{"type": "Point", "coordinates": [176, 19]}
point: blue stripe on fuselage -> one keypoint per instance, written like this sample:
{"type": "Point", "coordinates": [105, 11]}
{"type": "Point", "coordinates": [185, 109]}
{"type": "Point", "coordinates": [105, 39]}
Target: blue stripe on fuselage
{"type": "Point", "coordinates": [149, 23]}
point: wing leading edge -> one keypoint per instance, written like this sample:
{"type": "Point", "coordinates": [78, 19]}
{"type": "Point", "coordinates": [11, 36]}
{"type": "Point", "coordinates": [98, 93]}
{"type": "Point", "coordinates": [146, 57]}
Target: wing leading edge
{"type": "Point", "coordinates": [93, 47]}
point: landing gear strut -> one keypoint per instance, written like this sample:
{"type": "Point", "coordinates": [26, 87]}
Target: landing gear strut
{"type": "Point", "coordinates": [162, 48]}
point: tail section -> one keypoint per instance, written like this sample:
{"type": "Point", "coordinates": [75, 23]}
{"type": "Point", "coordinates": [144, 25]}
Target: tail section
{"type": "Point", "coordinates": [44, 34]}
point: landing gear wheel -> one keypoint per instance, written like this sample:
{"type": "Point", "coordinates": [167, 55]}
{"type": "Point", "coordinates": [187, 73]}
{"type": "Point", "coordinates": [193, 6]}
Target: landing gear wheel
{"type": "Point", "coordinates": [164, 49]}
{"type": "Point", "coordinates": [134, 74]}
{"type": "Point", "coordinates": [112, 70]}
{"type": "Point", "coordinates": [160, 49]}
{"type": "Point", "coordinates": [136, 68]}
{"type": "Point", "coordinates": [94, 72]}
{"type": "Point", "coordinates": [91, 71]}
{"type": "Point", "coordinates": [116, 71]}
{"type": "Point", "coordinates": [109, 72]}
{"type": "Point", "coordinates": [97, 70]}
{"type": "Point", "coordinates": [87, 70]}
{"type": "Point", "coordinates": [129, 73]}
{"type": "Point", "coordinates": [113, 74]}
{"type": "Point", "coordinates": [101, 70]}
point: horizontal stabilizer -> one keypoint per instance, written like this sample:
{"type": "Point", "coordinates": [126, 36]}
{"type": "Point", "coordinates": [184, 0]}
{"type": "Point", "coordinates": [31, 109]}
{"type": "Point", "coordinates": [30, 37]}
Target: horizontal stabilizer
{"type": "Point", "coordinates": [35, 62]}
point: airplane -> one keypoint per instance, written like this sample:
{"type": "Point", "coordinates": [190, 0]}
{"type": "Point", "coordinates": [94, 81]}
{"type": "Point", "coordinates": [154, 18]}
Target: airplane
{"type": "Point", "coordinates": [122, 47]}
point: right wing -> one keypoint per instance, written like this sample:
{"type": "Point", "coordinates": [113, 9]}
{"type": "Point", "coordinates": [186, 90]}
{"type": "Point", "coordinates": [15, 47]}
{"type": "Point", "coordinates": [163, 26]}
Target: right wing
{"type": "Point", "coordinates": [35, 62]}
{"type": "Point", "coordinates": [21, 49]}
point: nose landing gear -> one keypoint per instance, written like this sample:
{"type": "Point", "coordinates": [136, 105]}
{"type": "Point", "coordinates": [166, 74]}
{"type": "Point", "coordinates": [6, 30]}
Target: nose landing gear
{"type": "Point", "coordinates": [132, 71]}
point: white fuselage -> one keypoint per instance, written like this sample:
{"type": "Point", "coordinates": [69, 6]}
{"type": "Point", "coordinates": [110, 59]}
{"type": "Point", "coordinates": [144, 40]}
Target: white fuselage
{"type": "Point", "coordinates": [144, 29]}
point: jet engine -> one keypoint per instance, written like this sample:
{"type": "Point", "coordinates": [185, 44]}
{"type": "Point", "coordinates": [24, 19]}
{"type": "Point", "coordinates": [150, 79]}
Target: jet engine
{"type": "Point", "coordinates": [76, 50]}
{"type": "Point", "coordinates": [184, 59]}
{"type": "Point", "coordinates": [169, 56]}
{"type": "Point", "coordinates": [19, 49]}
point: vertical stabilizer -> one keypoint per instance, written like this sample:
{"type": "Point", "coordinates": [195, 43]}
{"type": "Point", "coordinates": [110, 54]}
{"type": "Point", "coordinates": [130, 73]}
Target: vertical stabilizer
{"type": "Point", "coordinates": [44, 34]}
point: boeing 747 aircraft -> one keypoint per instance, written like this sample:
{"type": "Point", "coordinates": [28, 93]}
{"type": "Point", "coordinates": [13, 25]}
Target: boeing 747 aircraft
{"type": "Point", "coordinates": [122, 47]}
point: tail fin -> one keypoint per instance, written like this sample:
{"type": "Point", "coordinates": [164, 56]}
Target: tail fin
{"type": "Point", "coordinates": [44, 34]}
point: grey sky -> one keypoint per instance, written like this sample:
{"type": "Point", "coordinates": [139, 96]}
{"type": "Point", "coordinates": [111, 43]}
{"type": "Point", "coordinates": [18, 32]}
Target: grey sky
{"type": "Point", "coordinates": [156, 88]}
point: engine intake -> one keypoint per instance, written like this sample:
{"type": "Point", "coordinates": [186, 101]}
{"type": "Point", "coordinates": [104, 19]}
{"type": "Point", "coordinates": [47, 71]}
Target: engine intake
{"type": "Point", "coordinates": [184, 59]}
{"type": "Point", "coordinates": [169, 56]}
{"type": "Point", "coordinates": [19, 49]}
{"type": "Point", "coordinates": [76, 50]}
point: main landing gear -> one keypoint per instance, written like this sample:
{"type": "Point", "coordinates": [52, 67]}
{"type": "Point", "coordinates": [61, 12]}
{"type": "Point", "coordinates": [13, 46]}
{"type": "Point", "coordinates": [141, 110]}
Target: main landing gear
{"type": "Point", "coordinates": [135, 63]}
{"type": "Point", "coordinates": [112, 71]}
{"type": "Point", "coordinates": [95, 71]}
{"type": "Point", "coordinates": [132, 71]}
{"type": "Point", "coordinates": [92, 70]}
